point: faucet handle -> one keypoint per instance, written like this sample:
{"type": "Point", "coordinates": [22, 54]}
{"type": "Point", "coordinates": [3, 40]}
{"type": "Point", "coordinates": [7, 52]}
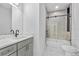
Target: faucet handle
{"type": "Point", "coordinates": [17, 31]}
{"type": "Point", "coordinates": [12, 31]}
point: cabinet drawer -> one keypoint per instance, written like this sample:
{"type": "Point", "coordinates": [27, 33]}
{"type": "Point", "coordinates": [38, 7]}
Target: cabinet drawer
{"type": "Point", "coordinates": [30, 40]}
{"type": "Point", "coordinates": [13, 54]}
{"type": "Point", "coordinates": [22, 52]}
{"type": "Point", "coordinates": [8, 50]}
{"type": "Point", "coordinates": [22, 44]}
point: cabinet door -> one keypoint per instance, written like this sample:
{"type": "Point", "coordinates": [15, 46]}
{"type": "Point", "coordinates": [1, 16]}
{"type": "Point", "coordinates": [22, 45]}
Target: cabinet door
{"type": "Point", "coordinates": [30, 53]}
{"type": "Point", "coordinates": [14, 54]}
{"type": "Point", "coordinates": [8, 50]}
{"type": "Point", "coordinates": [22, 52]}
{"type": "Point", "coordinates": [27, 50]}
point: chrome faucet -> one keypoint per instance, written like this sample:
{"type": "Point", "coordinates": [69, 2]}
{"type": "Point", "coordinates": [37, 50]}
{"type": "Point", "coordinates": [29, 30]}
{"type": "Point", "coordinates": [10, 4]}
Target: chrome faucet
{"type": "Point", "coordinates": [12, 31]}
{"type": "Point", "coordinates": [16, 33]}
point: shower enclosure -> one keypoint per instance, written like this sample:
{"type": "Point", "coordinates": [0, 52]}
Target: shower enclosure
{"type": "Point", "coordinates": [57, 27]}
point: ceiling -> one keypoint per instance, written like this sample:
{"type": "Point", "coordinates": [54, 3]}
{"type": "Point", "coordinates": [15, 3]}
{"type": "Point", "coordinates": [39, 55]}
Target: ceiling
{"type": "Point", "coordinates": [56, 6]}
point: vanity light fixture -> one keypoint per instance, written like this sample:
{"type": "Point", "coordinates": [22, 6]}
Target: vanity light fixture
{"type": "Point", "coordinates": [14, 4]}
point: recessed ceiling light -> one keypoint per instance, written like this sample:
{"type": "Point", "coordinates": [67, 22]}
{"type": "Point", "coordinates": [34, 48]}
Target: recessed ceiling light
{"type": "Point", "coordinates": [56, 7]}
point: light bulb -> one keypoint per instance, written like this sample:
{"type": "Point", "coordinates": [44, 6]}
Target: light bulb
{"type": "Point", "coordinates": [56, 7]}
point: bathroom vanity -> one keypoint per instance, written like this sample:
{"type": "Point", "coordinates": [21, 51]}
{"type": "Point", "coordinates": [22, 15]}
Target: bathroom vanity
{"type": "Point", "coordinates": [15, 38]}
{"type": "Point", "coordinates": [16, 46]}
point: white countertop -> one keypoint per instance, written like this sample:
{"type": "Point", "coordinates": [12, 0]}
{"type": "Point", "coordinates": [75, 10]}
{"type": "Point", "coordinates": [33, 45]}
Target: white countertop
{"type": "Point", "coordinates": [12, 40]}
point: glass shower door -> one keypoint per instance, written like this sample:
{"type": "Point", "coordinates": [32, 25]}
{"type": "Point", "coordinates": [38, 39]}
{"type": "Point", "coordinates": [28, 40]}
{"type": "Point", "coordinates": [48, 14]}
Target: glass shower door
{"type": "Point", "coordinates": [57, 27]}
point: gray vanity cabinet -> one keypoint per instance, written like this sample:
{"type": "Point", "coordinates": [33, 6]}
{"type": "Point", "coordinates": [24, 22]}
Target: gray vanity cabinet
{"type": "Point", "coordinates": [25, 47]}
{"type": "Point", "coordinates": [30, 52]}
{"type": "Point", "coordinates": [22, 52]}
{"type": "Point", "coordinates": [8, 50]}
{"type": "Point", "coordinates": [13, 54]}
{"type": "Point", "coordinates": [30, 47]}
{"type": "Point", "coordinates": [22, 48]}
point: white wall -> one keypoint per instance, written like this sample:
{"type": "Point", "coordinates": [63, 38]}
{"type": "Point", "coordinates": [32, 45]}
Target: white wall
{"type": "Point", "coordinates": [42, 27]}
{"type": "Point", "coordinates": [75, 25]}
{"type": "Point", "coordinates": [34, 24]}
{"type": "Point", "coordinates": [28, 18]}
{"type": "Point", "coordinates": [36, 30]}
{"type": "Point", "coordinates": [5, 19]}
{"type": "Point", "coordinates": [39, 29]}
{"type": "Point", "coordinates": [17, 23]}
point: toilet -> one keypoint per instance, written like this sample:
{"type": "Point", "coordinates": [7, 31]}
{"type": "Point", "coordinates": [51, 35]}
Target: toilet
{"type": "Point", "coordinates": [70, 50]}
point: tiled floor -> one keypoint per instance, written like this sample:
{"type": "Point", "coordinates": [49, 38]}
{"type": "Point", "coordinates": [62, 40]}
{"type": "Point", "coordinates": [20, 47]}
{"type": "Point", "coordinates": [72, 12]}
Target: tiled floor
{"type": "Point", "coordinates": [54, 47]}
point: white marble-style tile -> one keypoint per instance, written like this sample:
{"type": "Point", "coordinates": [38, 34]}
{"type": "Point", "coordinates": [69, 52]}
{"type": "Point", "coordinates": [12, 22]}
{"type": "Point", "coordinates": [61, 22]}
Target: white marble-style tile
{"type": "Point", "coordinates": [54, 47]}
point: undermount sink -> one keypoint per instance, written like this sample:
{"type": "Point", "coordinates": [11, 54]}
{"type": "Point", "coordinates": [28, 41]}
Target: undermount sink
{"type": "Point", "coordinates": [18, 37]}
